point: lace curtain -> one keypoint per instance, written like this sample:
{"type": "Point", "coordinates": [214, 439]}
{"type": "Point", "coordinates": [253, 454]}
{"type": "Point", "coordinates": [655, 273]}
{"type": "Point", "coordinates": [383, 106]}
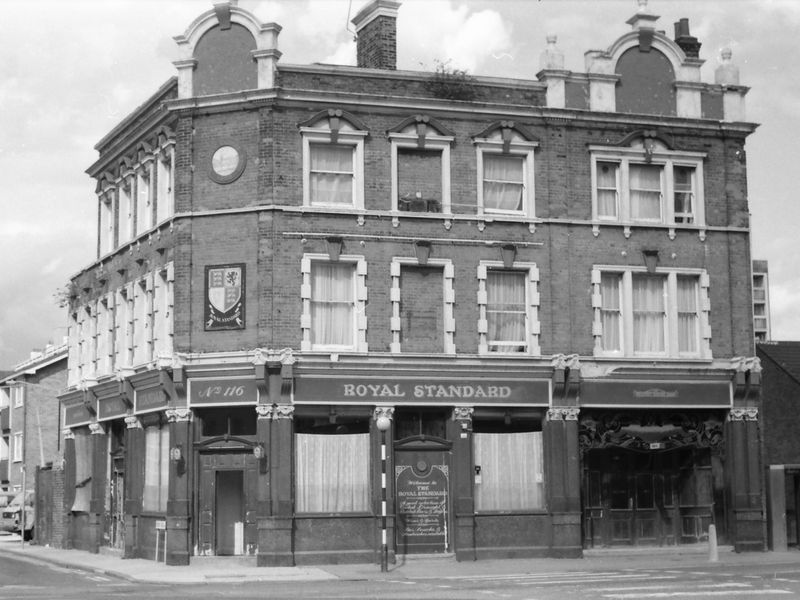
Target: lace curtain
{"type": "Point", "coordinates": [687, 314]}
{"type": "Point", "coordinates": [511, 471]}
{"type": "Point", "coordinates": [332, 304]}
{"type": "Point", "coordinates": [648, 313]}
{"type": "Point", "coordinates": [332, 473]}
{"type": "Point", "coordinates": [505, 311]}
{"type": "Point", "coordinates": [83, 470]}
{"type": "Point", "coordinates": [611, 311]}
{"type": "Point", "coordinates": [331, 176]}
{"type": "Point", "coordinates": [156, 468]}
{"type": "Point", "coordinates": [645, 190]}
{"type": "Point", "coordinates": [503, 182]}
{"type": "Point", "coordinates": [607, 189]}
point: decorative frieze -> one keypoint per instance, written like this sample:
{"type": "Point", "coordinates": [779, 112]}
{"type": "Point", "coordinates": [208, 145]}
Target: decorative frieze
{"type": "Point", "coordinates": [178, 415]}
{"type": "Point", "coordinates": [743, 414]}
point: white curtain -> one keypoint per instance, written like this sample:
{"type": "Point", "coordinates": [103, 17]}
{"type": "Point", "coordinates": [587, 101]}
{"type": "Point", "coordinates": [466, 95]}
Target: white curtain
{"type": "Point", "coordinates": [607, 189]}
{"type": "Point", "coordinates": [511, 471]}
{"type": "Point", "coordinates": [332, 473]}
{"type": "Point", "coordinates": [503, 182]}
{"type": "Point", "coordinates": [156, 468]}
{"type": "Point", "coordinates": [331, 174]}
{"type": "Point", "coordinates": [83, 470]}
{"type": "Point", "coordinates": [645, 189]}
{"type": "Point", "coordinates": [332, 304]}
{"type": "Point", "coordinates": [687, 314]}
{"type": "Point", "coordinates": [611, 311]}
{"type": "Point", "coordinates": [506, 311]}
{"type": "Point", "coordinates": [648, 313]}
{"type": "Point", "coordinates": [682, 183]}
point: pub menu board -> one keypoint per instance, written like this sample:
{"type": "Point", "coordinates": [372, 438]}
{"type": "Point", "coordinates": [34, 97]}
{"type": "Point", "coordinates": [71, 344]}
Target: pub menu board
{"type": "Point", "coordinates": [422, 507]}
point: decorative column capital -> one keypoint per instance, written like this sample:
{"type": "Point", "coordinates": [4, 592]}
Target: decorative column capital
{"type": "Point", "coordinates": [563, 413]}
{"type": "Point", "coordinates": [283, 411]}
{"type": "Point", "coordinates": [179, 415]}
{"type": "Point", "coordinates": [743, 414]}
{"type": "Point", "coordinates": [383, 411]}
{"type": "Point", "coordinates": [96, 429]}
{"type": "Point", "coordinates": [463, 413]}
{"type": "Point", "coordinates": [69, 434]}
{"type": "Point", "coordinates": [133, 422]}
{"type": "Point", "coordinates": [264, 411]}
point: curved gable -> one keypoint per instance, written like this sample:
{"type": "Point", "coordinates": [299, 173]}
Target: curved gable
{"type": "Point", "coordinates": [224, 61]}
{"type": "Point", "coordinates": [646, 84]}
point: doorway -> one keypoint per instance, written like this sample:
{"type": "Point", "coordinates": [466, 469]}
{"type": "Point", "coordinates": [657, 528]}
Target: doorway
{"type": "Point", "coordinates": [647, 498]}
{"type": "Point", "coordinates": [229, 502]}
{"type": "Point", "coordinates": [117, 503]}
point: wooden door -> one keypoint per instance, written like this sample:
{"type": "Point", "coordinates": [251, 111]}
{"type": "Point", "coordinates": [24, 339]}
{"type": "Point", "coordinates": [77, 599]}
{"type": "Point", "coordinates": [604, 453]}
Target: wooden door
{"type": "Point", "coordinates": [227, 503]}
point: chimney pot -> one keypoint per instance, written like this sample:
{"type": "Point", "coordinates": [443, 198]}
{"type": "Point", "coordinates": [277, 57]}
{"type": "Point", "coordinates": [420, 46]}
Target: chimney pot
{"type": "Point", "coordinates": [687, 42]}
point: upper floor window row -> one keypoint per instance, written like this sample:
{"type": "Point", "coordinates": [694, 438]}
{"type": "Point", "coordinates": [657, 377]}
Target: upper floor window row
{"type": "Point", "coordinates": [333, 165]}
{"type": "Point", "coordinates": [123, 329]}
{"type": "Point", "coordinates": [647, 183]}
{"type": "Point", "coordinates": [139, 196]}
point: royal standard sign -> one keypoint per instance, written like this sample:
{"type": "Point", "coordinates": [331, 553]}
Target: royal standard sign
{"type": "Point", "coordinates": [224, 297]}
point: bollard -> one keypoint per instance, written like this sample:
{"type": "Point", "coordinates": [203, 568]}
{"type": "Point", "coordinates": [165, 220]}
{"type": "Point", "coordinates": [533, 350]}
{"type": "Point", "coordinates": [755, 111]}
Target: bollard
{"type": "Point", "coordinates": [713, 553]}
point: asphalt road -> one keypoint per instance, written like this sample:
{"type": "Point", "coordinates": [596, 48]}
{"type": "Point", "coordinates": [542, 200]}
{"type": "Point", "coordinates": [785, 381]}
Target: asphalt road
{"type": "Point", "coordinates": [22, 579]}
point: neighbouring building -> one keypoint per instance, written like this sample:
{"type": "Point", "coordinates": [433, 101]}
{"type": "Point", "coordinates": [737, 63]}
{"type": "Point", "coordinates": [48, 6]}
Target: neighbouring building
{"type": "Point", "coordinates": [30, 419]}
{"type": "Point", "coordinates": [761, 315]}
{"type": "Point", "coordinates": [542, 288]}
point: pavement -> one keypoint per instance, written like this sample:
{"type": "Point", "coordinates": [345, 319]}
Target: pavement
{"type": "Point", "coordinates": [239, 569]}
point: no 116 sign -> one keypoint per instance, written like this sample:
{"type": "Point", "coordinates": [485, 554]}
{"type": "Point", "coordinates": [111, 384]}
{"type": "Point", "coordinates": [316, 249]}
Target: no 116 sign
{"type": "Point", "coordinates": [222, 391]}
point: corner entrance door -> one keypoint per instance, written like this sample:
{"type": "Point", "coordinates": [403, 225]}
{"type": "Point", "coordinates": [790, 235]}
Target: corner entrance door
{"type": "Point", "coordinates": [422, 484]}
{"type": "Point", "coordinates": [117, 501]}
{"type": "Point", "coordinates": [230, 512]}
{"type": "Point", "coordinates": [227, 503]}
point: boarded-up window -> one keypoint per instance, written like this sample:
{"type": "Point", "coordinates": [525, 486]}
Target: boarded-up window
{"type": "Point", "coordinates": [83, 470]}
{"type": "Point", "coordinates": [421, 309]}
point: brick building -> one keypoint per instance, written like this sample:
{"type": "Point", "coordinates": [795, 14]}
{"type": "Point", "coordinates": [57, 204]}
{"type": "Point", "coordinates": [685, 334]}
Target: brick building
{"type": "Point", "coordinates": [31, 424]}
{"type": "Point", "coordinates": [541, 287]}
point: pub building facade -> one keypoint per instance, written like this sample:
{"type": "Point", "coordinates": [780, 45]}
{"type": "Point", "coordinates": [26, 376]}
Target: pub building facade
{"type": "Point", "coordinates": [543, 285]}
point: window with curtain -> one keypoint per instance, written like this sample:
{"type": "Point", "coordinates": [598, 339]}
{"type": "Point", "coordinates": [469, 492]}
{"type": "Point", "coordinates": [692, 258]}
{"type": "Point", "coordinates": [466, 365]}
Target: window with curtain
{"type": "Point", "coordinates": [683, 192]}
{"type": "Point", "coordinates": [331, 174]}
{"type": "Point", "coordinates": [687, 304]}
{"type": "Point", "coordinates": [607, 189]}
{"type": "Point", "coordinates": [511, 471]}
{"type": "Point", "coordinates": [332, 471]}
{"type": "Point", "coordinates": [646, 314]}
{"type": "Point", "coordinates": [649, 317]}
{"type": "Point", "coordinates": [503, 182]}
{"type": "Point", "coordinates": [83, 470]}
{"type": "Point", "coordinates": [611, 311]}
{"type": "Point", "coordinates": [506, 311]}
{"type": "Point", "coordinates": [156, 468]}
{"type": "Point", "coordinates": [633, 187]}
{"type": "Point", "coordinates": [645, 192]}
{"type": "Point", "coordinates": [333, 304]}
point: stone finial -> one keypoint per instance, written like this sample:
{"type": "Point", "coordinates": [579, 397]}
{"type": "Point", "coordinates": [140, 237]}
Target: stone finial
{"type": "Point", "coordinates": [643, 19]}
{"type": "Point", "coordinates": [726, 73]}
{"type": "Point", "coordinates": [552, 57]}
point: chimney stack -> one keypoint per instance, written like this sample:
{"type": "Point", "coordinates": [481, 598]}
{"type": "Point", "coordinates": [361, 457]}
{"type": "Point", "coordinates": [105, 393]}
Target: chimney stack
{"type": "Point", "coordinates": [687, 42]}
{"type": "Point", "coordinates": [376, 35]}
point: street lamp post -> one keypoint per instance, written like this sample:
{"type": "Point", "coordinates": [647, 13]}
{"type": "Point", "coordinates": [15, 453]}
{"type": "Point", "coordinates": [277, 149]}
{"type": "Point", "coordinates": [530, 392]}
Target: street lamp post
{"type": "Point", "coordinates": [383, 422]}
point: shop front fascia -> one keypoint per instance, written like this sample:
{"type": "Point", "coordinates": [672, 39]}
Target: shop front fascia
{"type": "Point", "coordinates": [668, 451]}
{"type": "Point", "coordinates": [452, 406]}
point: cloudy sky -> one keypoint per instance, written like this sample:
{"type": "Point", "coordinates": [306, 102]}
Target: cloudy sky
{"type": "Point", "coordinates": [72, 69]}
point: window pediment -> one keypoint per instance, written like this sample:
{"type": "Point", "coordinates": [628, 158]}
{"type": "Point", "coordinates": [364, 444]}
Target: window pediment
{"type": "Point", "coordinates": [334, 120]}
{"type": "Point", "coordinates": [421, 126]}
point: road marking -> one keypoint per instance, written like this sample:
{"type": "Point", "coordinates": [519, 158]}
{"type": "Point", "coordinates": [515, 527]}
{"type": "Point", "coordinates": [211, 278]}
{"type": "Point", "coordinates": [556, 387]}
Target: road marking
{"type": "Point", "coordinates": [597, 579]}
{"type": "Point", "coordinates": [725, 593]}
{"type": "Point", "coordinates": [661, 587]}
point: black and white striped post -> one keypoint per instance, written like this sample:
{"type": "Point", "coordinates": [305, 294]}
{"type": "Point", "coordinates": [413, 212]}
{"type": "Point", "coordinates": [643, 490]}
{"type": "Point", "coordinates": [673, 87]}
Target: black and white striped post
{"type": "Point", "coordinates": [383, 420]}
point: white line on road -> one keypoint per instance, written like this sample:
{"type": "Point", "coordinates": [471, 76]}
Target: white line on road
{"type": "Point", "coordinates": [598, 579]}
{"type": "Point", "coordinates": [661, 587]}
{"type": "Point", "coordinates": [725, 593]}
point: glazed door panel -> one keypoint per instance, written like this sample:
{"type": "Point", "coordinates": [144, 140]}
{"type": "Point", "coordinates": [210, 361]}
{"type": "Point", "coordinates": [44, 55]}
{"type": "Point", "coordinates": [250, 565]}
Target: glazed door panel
{"type": "Point", "coordinates": [422, 487]}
